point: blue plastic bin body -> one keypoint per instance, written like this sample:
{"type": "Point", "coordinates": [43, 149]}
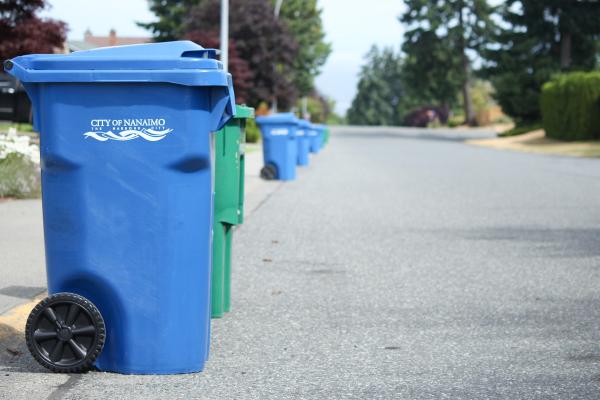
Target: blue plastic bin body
{"type": "Point", "coordinates": [127, 192]}
{"type": "Point", "coordinates": [279, 143]}
{"type": "Point", "coordinates": [317, 140]}
{"type": "Point", "coordinates": [303, 142]}
{"type": "Point", "coordinates": [313, 136]}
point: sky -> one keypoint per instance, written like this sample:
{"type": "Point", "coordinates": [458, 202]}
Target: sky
{"type": "Point", "coordinates": [351, 26]}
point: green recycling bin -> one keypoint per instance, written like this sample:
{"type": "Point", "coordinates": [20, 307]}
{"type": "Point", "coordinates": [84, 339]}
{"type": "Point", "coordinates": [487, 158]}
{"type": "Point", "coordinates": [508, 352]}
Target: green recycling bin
{"type": "Point", "coordinates": [326, 138]}
{"type": "Point", "coordinates": [228, 205]}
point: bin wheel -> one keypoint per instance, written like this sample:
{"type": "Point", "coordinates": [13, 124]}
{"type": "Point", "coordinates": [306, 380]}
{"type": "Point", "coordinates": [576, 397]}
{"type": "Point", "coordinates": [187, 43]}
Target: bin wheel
{"type": "Point", "coordinates": [65, 332]}
{"type": "Point", "coordinates": [268, 172]}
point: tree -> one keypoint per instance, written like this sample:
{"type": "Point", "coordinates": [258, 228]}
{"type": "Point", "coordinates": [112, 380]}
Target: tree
{"type": "Point", "coordinates": [380, 97]}
{"type": "Point", "coordinates": [260, 39]}
{"type": "Point", "coordinates": [432, 71]}
{"type": "Point", "coordinates": [238, 67]}
{"type": "Point", "coordinates": [171, 15]}
{"type": "Point", "coordinates": [318, 106]}
{"type": "Point", "coordinates": [539, 40]}
{"type": "Point", "coordinates": [440, 34]}
{"type": "Point", "coordinates": [303, 20]}
{"type": "Point", "coordinates": [23, 32]}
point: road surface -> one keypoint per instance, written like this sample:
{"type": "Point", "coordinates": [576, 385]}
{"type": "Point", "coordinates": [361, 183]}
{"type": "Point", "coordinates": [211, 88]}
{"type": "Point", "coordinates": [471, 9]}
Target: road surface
{"type": "Point", "coordinates": [400, 264]}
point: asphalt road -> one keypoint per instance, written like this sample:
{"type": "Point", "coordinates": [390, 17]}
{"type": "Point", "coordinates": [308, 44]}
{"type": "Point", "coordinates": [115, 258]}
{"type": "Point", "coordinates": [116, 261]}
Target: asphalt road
{"type": "Point", "coordinates": [400, 264]}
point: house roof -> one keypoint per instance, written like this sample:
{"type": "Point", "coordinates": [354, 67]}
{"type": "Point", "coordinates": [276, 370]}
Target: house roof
{"type": "Point", "coordinates": [91, 41]}
{"type": "Point", "coordinates": [77, 45]}
{"type": "Point", "coordinates": [104, 41]}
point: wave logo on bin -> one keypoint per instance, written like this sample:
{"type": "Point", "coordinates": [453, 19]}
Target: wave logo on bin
{"type": "Point", "coordinates": [122, 130]}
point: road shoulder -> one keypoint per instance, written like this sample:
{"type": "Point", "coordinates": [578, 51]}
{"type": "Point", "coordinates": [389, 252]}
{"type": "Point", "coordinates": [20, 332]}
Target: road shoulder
{"type": "Point", "coordinates": [536, 142]}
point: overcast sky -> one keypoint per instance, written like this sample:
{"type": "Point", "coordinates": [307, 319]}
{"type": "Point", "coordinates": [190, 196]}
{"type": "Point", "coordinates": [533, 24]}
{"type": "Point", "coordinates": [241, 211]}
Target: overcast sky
{"type": "Point", "coordinates": [352, 26]}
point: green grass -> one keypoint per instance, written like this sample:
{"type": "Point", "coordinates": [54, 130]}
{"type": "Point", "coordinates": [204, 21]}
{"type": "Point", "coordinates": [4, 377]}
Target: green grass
{"type": "Point", "coordinates": [251, 148]}
{"type": "Point", "coordinates": [503, 119]}
{"type": "Point", "coordinates": [20, 127]}
{"type": "Point", "coordinates": [521, 129]}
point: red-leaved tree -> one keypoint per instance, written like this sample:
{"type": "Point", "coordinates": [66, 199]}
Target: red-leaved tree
{"type": "Point", "coordinates": [260, 39]}
{"type": "Point", "coordinates": [238, 67]}
{"type": "Point", "coordinates": [23, 32]}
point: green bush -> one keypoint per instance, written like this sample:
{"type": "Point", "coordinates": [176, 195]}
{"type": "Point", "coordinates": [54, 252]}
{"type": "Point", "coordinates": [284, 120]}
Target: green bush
{"type": "Point", "coordinates": [456, 119]}
{"type": "Point", "coordinates": [335, 119]}
{"type": "Point", "coordinates": [570, 105]}
{"type": "Point", "coordinates": [19, 177]}
{"type": "Point", "coordinates": [252, 131]}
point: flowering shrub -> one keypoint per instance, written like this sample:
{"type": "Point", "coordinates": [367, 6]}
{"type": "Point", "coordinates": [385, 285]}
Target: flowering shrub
{"type": "Point", "coordinates": [19, 166]}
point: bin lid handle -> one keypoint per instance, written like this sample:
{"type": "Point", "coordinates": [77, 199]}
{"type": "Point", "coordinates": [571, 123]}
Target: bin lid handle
{"type": "Point", "coordinates": [229, 110]}
{"type": "Point", "coordinates": [204, 53]}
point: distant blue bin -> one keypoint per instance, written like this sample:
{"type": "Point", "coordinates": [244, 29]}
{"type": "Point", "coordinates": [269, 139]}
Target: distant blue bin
{"type": "Point", "coordinates": [279, 143]}
{"type": "Point", "coordinates": [313, 135]}
{"type": "Point", "coordinates": [303, 142]}
{"type": "Point", "coordinates": [127, 192]}
{"type": "Point", "coordinates": [318, 140]}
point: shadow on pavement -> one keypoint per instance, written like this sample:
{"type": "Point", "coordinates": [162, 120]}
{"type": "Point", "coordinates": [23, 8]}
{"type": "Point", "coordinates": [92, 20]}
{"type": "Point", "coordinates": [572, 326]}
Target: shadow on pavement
{"type": "Point", "coordinates": [14, 355]}
{"type": "Point", "coordinates": [22, 292]}
{"type": "Point", "coordinates": [439, 134]}
{"type": "Point", "coordinates": [567, 242]}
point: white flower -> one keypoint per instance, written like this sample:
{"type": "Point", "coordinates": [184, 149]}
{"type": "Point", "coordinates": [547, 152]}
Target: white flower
{"type": "Point", "coordinates": [13, 143]}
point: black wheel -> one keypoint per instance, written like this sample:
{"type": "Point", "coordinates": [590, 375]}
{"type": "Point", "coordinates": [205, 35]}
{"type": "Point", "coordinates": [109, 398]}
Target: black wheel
{"type": "Point", "coordinates": [265, 173]}
{"type": "Point", "coordinates": [268, 172]}
{"type": "Point", "coordinates": [65, 332]}
{"type": "Point", "coordinates": [273, 170]}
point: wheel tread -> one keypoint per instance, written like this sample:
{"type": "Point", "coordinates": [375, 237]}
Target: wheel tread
{"type": "Point", "coordinates": [88, 362]}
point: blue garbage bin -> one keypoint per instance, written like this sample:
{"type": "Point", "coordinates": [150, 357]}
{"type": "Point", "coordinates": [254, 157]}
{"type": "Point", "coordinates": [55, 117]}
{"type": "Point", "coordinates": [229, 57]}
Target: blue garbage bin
{"type": "Point", "coordinates": [280, 150]}
{"type": "Point", "coordinates": [125, 139]}
{"type": "Point", "coordinates": [319, 138]}
{"type": "Point", "coordinates": [303, 142]}
{"type": "Point", "coordinates": [313, 136]}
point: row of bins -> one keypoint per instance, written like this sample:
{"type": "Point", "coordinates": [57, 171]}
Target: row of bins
{"type": "Point", "coordinates": [287, 143]}
{"type": "Point", "coordinates": [142, 166]}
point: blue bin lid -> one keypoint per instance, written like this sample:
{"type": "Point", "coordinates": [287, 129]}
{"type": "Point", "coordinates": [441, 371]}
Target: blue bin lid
{"type": "Point", "coordinates": [319, 127]}
{"type": "Point", "coordinates": [304, 124]}
{"type": "Point", "coordinates": [280, 118]}
{"type": "Point", "coordinates": [180, 62]}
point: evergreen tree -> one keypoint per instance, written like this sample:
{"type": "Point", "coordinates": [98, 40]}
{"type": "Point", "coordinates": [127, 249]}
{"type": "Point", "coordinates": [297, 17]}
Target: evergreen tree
{"type": "Point", "coordinates": [540, 39]}
{"type": "Point", "coordinates": [432, 71]}
{"type": "Point", "coordinates": [439, 35]}
{"type": "Point", "coordinates": [380, 97]}
{"type": "Point", "coordinates": [303, 20]}
{"type": "Point", "coordinates": [171, 15]}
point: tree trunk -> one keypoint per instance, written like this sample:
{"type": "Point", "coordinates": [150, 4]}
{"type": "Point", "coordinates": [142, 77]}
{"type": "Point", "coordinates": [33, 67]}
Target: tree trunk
{"type": "Point", "coordinates": [466, 89]}
{"type": "Point", "coordinates": [467, 103]}
{"type": "Point", "coordinates": [565, 50]}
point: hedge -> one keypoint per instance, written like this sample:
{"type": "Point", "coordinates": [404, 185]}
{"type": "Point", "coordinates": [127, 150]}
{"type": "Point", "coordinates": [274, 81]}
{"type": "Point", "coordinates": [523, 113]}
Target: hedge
{"type": "Point", "coordinates": [19, 177]}
{"type": "Point", "coordinates": [252, 132]}
{"type": "Point", "coordinates": [570, 105]}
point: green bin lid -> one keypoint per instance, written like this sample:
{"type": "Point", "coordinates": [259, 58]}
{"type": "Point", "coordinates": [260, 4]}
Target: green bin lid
{"type": "Point", "coordinates": [243, 112]}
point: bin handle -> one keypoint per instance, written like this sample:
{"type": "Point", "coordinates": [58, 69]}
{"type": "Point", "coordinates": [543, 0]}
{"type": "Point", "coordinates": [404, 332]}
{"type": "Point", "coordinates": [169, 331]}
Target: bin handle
{"type": "Point", "coordinates": [230, 108]}
{"type": "Point", "coordinates": [204, 53]}
{"type": "Point", "coordinates": [15, 69]}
